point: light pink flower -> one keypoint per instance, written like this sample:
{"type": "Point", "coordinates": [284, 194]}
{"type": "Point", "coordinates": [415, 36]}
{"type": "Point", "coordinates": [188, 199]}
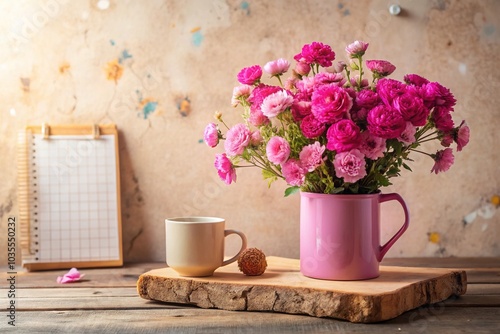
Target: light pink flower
{"type": "Point", "coordinates": [350, 165]}
{"type": "Point", "coordinates": [71, 276]}
{"type": "Point", "coordinates": [385, 122]}
{"type": "Point", "coordinates": [462, 136]}
{"type": "Point", "coordinates": [277, 150]}
{"type": "Point", "coordinates": [225, 168]}
{"type": "Point", "coordinates": [330, 103]}
{"type": "Point", "coordinates": [211, 135]}
{"type": "Point", "coordinates": [311, 127]}
{"type": "Point", "coordinates": [301, 108]}
{"type": "Point", "coordinates": [371, 146]}
{"type": "Point", "coordinates": [237, 139]}
{"type": "Point", "coordinates": [257, 118]}
{"type": "Point", "coordinates": [256, 138]}
{"type": "Point", "coordinates": [250, 75]}
{"type": "Point", "coordinates": [339, 67]}
{"type": "Point", "coordinates": [316, 53]}
{"type": "Point", "coordinates": [324, 78]}
{"type": "Point", "coordinates": [293, 172]}
{"type": "Point", "coordinates": [242, 91]}
{"type": "Point", "coordinates": [302, 68]}
{"type": "Point", "coordinates": [277, 67]}
{"type": "Point", "coordinates": [408, 135]}
{"type": "Point", "coordinates": [356, 49]}
{"type": "Point", "coordinates": [443, 160]}
{"type": "Point", "coordinates": [311, 156]}
{"type": "Point", "coordinates": [276, 103]}
{"type": "Point", "coordinates": [380, 67]}
{"type": "Point", "coordinates": [343, 136]}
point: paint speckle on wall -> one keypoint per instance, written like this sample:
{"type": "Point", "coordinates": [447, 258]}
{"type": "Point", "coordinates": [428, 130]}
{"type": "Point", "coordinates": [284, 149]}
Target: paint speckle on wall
{"type": "Point", "coordinates": [462, 68]}
{"type": "Point", "coordinates": [343, 10]}
{"type": "Point", "coordinates": [434, 237]}
{"type": "Point", "coordinates": [184, 106]}
{"type": "Point", "coordinates": [124, 56]}
{"type": "Point", "coordinates": [64, 67]}
{"type": "Point", "coordinates": [112, 42]}
{"type": "Point", "coordinates": [196, 36]}
{"type": "Point", "coordinates": [245, 7]}
{"type": "Point", "coordinates": [489, 30]}
{"type": "Point", "coordinates": [114, 70]}
{"type": "Point", "coordinates": [147, 107]}
{"type": "Point", "coordinates": [25, 84]}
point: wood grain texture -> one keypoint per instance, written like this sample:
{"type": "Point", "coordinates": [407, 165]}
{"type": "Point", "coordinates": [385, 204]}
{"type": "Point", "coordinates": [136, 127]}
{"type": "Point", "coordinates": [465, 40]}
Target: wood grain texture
{"type": "Point", "coordinates": [282, 288]}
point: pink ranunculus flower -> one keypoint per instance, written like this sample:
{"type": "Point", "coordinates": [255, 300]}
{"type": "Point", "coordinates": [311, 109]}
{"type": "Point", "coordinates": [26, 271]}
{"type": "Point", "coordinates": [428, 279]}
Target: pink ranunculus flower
{"type": "Point", "coordinates": [237, 139]}
{"type": "Point", "coordinates": [367, 98]}
{"type": "Point", "coordinates": [302, 68]}
{"type": "Point", "coordinates": [412, 108]}
{"type": "Point", "coordinates": [293, 172]}
{"type": "Point", "coordinates": [301, 108]}
{"type": "Point", "coordinates": [276, 103]}
{"type": "Point", "coordinates": [311, 156]}
{"type": "Point", "coordinates": [256, 138]}
{"type": "Point", "coordinates": [241, 91]}
{"type": "Point", "coordinates": [408, 135]}
{"type": "Point", "coordinates": [389, 89]}
{"type": "Point", "coordinates": [443, 160]}
{"type": "Point", "coordinates": [225, 168]}
{"type": "Point", "coordinates": [381, 68]}
{"type": "Point", "coordinates": [385, 122]}
{"type": "Point", "coordinates": [211, 135]}
{"type": "Point", "coordinates": [371, 146]}
{"type": "Point", "coordinates": [330, 103]}
{"type": "Point", "coordinates": [277, 150]}
{"type": "Point", "coordinates": [462, 136]}
{"type": "Point", "coordinates": [277, 67]}
{"type": "Point", "coordinates": [350, 165]}
{"type": "Point", "coordinates": [442, 119]}
{"type": "Point", "coordinates": [316, 53]}
{"type": "Point", "coordinates": [339, 66]}
{"type": "Point", "coordinates": [306, 86]}
{"type": "Point", "coordinates": [324, 78]}
{"type": "Point", "coordinates": [415, 80]}
{"type": "Point", "coordinates": [436, 95]}
{"type": "Point", "coordinates": [250, 75]}
{"type": "Point", "coordinates": [342, 136]}
{"type": "Point", "coordinates": [311, 127]}
{"type": "Point", "coordinates": [356, 49]}
{"type": "Point", "coordinates": [257, 118]}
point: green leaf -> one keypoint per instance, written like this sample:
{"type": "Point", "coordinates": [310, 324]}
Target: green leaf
{"type": "Point", "coordinates": [407, 167]}
{"type": "Point", "coordinates": [291, 190]}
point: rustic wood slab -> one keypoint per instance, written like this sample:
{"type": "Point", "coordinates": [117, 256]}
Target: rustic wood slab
{"type": "Point", "coordinates": [282, 288]}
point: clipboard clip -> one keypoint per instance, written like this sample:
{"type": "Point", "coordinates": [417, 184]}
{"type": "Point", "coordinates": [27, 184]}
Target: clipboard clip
{"type": "Point", "coordinates": [45, 131]}
{"type": "Point", "coordinates": [95, 131]}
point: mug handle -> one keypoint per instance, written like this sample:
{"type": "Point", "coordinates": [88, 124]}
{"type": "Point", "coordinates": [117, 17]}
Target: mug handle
{"type": "Point", "coordinates": [243, 245]}
{"type": "Point", "coordinates": [388, 244]}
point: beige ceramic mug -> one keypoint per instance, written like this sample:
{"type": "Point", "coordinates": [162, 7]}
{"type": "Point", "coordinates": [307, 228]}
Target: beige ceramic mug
{"type": "Point", "coordinates": [195, 245]}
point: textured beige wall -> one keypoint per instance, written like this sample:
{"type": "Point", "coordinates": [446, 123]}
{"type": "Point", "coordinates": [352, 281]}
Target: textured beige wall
{"type": "Point", "coordinates": [180, 60]}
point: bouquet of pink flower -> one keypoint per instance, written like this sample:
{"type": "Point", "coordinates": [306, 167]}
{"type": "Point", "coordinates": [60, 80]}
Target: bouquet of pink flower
{"type": "Point", "coordinates": [328, 129]}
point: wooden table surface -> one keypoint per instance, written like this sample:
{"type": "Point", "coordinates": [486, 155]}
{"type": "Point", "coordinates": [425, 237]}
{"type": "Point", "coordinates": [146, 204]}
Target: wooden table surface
{"type": "Point", "coordinates": [106, 301]}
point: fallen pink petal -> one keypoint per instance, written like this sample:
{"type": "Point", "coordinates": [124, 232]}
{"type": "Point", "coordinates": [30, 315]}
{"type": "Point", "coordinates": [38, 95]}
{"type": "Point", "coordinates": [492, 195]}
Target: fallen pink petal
{"type": "Point", "coordinates": [71, 276]}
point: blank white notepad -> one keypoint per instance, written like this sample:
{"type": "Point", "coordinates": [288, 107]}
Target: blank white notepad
{"type": "Point", "coordinates": [69, 197]}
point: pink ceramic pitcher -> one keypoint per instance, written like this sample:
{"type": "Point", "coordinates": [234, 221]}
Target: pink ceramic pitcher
{"type": "Point", "coordinates": [340, 235]}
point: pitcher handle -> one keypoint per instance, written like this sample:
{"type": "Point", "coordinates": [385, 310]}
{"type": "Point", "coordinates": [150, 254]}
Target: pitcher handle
{"type": "Point", "coordinates": [388, 244]}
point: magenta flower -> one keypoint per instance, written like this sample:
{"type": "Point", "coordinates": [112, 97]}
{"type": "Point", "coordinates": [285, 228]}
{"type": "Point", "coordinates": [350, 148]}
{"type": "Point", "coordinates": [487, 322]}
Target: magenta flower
{"type": "Point", "coordinates": [330, 103]}
{"type": "Point", "coordinates": [237, 139]}
{"type": "Point", "coordinates": [436, 95]}
{"type": "Point", "coordinates": [389, 89]}
{"type": "Point", "coordinates": [211, 135]}
{"type": "Point", "coordinates": [343, 136]}
{"type": "Point", "coordinates": [311, 156]}
{"type": "Point", "coordinates": [239, 92]}
{"type": "Point", "coordinates": [381, 68]}
{"type": "Point", "coordinates": [367, 98]}
{"type": "Point", "coordinates": [442, 119]}
{"type": "Point", "coordinates": [277, 67]}
{"type": "Point", "coordinates": [416, 80]}
{"type": "Point", "coordinates": [350, 165]}
{"type": "Point", "coordinates": [443, 160]}
{"type": "Point", "coordinates": [412, 108]}
{"type": "Point", "coordinates": [371, 146]}
{"type": "Point", "coordinates": [356, 49]}
{"type": "Point", "coordinates": [277, 150]}
{"type": "Point", "coordinates": [462, 135]}
{"type": "Point", "coordinates": [385, 122]}
{"type": "Point", "coordinates": [324, 78]}
{"type": "Point", "coordinates": [316, 53]}
{"type": "Point", "coordinates": [250, 75]}
{"type": "Point", "coordinates": [225, 168]}
{"type": "Point", "coordinates": [311, 127]}
{"type": "Point", "coordinates": [301, 108]}
{"type": "Point", "coordinates": [71, 276]}
{"type": "Point", "coordinates": [276, 103]}
{"type": "Point", "coordinates": [293, 172]}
